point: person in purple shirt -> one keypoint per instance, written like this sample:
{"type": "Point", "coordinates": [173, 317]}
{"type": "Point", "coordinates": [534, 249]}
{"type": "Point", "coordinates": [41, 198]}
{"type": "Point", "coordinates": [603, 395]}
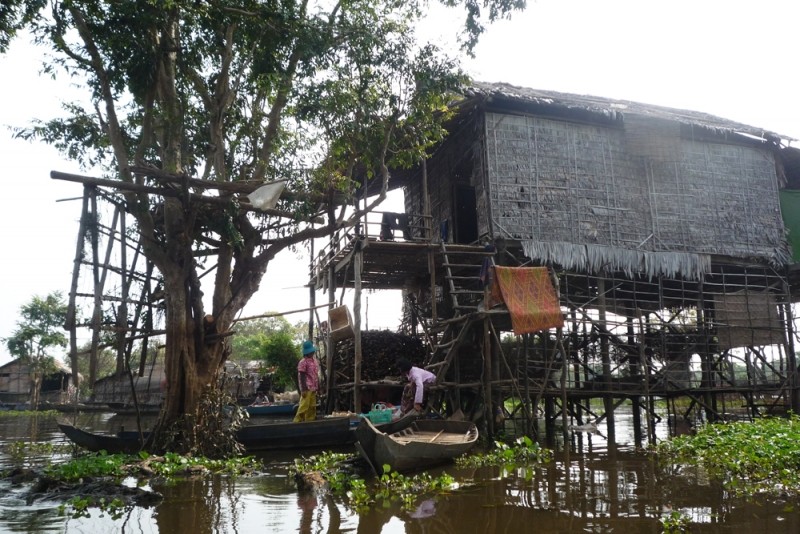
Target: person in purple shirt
{"type": "Point", "coordinates": [415, 392]}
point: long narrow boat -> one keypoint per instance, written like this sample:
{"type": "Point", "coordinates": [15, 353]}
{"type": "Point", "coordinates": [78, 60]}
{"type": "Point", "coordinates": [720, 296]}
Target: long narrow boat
{"type": "Point", "coordinates": [327, 432]}
{"type": "Point", "coordinates": [124, 442]}
{"type": "Point", "coordinates": [274, 409]}
{"type": "Point", "coordinates": [425, 443]}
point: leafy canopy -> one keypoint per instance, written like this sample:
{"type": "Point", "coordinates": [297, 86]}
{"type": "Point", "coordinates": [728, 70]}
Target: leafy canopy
{"type": "Point", "coordinates": [272, 341]}
{"type": "Point", "coordinates": [39, 334]}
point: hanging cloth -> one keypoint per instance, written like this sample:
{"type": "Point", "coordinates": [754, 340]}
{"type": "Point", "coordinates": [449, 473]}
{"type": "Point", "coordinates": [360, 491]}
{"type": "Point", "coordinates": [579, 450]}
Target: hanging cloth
{"type": "Point", "coordinates": [530, 297]}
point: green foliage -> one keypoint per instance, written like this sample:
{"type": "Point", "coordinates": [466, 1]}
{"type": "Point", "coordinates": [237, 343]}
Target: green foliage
{"type": "Point", "coordinates": [15, 15]}
{"type": "Point", "coordinates": [326, 97]}
{"type": "Point", "coordinates": [390, 487]}
{"type": "Point", "coordinates": [324, 461]}
{"type": "Point", "coordinates": [394, 486]}
{"type": "Point", "coordinates": [79, 507]}
{"type": "Point", "coordinates": [169, 465]}
{"type": "Point", "coordinates": [38, 335]}
{"type": "Point", "coordinates": [523, 452]}
{"type": "Point", "coordinates": [39, 332]}
{"type": "Point", "coordinates": [675, 522]}
{"type": "Point", "coordinates": [28, 454]}
{"type": "Point", "coordinates": [749, 458]}
{"type": "Point", "coordinates": [90, 466]}
{"type": "Point", "coordinates": [273, 341]}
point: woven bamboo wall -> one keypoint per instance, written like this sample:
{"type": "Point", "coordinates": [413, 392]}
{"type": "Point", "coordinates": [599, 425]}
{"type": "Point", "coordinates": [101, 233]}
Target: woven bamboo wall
{"type": "Point", "coordinates": [460, 159]}
{"type": "Point", "coordinates": [643, 189]}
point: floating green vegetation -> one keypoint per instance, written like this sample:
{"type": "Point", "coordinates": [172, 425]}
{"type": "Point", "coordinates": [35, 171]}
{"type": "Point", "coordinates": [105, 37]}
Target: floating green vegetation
{"type": "Point", "coordinates": [27, 454]}
{"type": "Point", "coordinates": [390, 487]}
{"type": "Point", "coordinates": [168, 466]}
{"type": "Point", "coordinates": [80, 507]}
{"type": "Point", "coordinates": [522, 452]}
{"type": "Point", "coordinates": [760, 457]}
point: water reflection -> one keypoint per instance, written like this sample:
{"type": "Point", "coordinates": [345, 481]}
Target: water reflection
{"type": "Point", "coordinates": [592, 486]}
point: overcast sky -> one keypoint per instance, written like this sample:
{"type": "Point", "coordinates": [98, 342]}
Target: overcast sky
{"type": "Point", "coordinates": [731, 58]}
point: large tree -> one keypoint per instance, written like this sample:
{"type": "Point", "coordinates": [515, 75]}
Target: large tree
{"type": "Point", "coordinates": [189, 96]}
{"type": "Point", "coordinates": [38, 337]}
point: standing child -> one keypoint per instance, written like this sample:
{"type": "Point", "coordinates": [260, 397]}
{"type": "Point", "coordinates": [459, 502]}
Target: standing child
{"type": "Point", "coordinates": [308, 381]}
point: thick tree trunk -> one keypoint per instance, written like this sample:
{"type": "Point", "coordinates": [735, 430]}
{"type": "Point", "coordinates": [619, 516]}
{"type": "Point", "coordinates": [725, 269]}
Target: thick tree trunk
{"type": "Point", "coordinates": [192, 362]}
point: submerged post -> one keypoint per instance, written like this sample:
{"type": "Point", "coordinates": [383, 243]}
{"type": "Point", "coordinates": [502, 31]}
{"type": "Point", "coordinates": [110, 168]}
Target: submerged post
{"type": "Point", "coordinates": [608, 401]}
{"type": "Point", "coordinates": [358, 261]}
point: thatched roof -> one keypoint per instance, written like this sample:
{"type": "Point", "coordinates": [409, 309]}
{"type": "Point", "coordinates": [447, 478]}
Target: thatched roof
{"type": "Point", "coordinates": [612, 110]}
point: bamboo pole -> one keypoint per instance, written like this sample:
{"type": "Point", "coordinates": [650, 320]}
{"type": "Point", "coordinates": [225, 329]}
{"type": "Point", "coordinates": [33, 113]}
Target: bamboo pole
{"type": "Point", "coordinates": [357, 267]}
{"type": "Point", "coordinates": [278, 314]}
{"type": "Point", "coordinates": [98, 291]}
{"type": "Point", "coordinates": [69, 322]}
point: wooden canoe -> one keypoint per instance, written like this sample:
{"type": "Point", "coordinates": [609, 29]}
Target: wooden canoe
{"type": "Point", "coordinates": [274, 409]}
{"type": "Point", "coordinates": [327, 432]}
{"type": "Point", "coordinates": [124, 442]}
{"type": "Point", "coordinates": [425, 443]}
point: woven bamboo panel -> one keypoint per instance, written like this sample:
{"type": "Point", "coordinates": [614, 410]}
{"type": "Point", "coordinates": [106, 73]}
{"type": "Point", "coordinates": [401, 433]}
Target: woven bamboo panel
{"type": "Point", "coordinates": [642, 193]}
{"type": "Point", "coordinates": [746, 319]}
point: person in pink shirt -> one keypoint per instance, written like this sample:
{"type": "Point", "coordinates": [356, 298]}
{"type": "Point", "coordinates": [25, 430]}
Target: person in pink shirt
{"type": "Point", "coordinates": [415, 392]}
{"type": "Point", "coordinates": [308, 380]}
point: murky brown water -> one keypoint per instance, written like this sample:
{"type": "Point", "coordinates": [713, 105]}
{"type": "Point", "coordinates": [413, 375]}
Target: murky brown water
{"type": "Point", "coordinates": [602, 489]}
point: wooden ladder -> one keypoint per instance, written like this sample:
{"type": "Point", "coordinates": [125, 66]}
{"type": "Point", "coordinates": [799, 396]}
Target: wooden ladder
{"type": "Point", "coordinates": [462, 269]}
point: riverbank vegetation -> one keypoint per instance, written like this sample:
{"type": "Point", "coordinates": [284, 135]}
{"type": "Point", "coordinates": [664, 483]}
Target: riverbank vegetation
{"type": "Point", "coordinates": [750, 458]}
{"type": "Point", "coordinates": [102, 481]}
{"type": "Point", "coordinates": [334, 472]}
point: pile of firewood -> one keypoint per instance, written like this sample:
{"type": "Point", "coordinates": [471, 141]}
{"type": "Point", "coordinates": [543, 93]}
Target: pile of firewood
{"type": "Point", "coordinates": [380, 350]}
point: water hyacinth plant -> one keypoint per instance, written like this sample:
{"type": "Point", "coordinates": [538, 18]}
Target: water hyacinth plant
{"type": "Point", "coordinates": [522, 452]}
{"type": "Point", "coordinates": [759, 457]}
{"type": "Point", "coordinates": [357, 493]}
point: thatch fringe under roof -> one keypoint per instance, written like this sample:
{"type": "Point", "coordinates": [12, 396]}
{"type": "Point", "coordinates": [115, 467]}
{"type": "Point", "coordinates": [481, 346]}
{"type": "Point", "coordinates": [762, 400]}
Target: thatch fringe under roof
{"type": "Point", "coordinates": [594, 258]}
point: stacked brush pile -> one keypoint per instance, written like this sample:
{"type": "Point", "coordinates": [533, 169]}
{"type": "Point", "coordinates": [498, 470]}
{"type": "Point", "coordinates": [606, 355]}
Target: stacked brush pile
{"type": "Point", "coordinates": [380, 350]}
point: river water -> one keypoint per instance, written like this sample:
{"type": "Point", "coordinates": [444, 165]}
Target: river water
{"type": "Point", "coordinates": [590, 487]}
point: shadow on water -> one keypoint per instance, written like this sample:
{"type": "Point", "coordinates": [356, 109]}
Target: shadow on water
{"type": "Point", "coordinates": [591, 486]}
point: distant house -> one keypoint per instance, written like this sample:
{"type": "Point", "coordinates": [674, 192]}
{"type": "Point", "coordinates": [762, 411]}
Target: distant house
{"type": "Point", "coordinates": [16, 383]}
{"type": "Point", "coordinates": [242, 380]}
{"type": "Point", "coordinates": [116, 388]}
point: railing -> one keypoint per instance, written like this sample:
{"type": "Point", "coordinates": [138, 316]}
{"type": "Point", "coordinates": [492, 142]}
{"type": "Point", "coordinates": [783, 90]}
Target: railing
{"type": "Point", "coordinates": [378, 226]}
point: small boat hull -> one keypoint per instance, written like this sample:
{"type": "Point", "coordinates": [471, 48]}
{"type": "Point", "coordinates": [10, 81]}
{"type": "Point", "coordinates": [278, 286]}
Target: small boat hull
{"type": "Point", "coordinates": [124, 442]}
{"type": "Point", "coordinates": [327, 432]}
{"type": "Point", "coordinates": [425, 443]}
{"type": "Point", "coordinates": [271, 409]}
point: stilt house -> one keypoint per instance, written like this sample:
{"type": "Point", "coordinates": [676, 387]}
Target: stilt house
{"type": "Point", "coordinates": [665, 234]}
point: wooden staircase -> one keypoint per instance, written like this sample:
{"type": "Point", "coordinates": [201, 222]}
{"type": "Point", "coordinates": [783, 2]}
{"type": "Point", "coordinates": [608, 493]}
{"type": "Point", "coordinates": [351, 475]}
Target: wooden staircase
{"type": "Point", "coordinates": [464, 286]}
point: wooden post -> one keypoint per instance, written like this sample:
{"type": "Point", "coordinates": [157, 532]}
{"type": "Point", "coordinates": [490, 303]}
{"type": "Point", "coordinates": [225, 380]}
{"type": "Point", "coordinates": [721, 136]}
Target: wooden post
{"type": "Point", "coordinates": [98, 296]}
{"type": "Point", "coordinates": [487, 378]}
{"type": "Point", "coordinates": [69, 323]}
{"type": "Point", "coordinates": [312, 295]}
{"type": "Point", "coordinates": [358, 261]}
{"type": "Point", "coordinates": [651, 435]}
{"type": "Point", "coordinates": [636, 400]}
{"type": "Point", "coordinates": [330, 344]}
{"type": "Point", "coordinates": [122, 310]}
{"type": "Point", "coordinates": [707, 376]}
{"type": "Point", "coordinates": [791, 357]}
{"type": "Point", "coordinates": [608, 401]}
{"type": "Point", "coordinates": [564, 398]}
